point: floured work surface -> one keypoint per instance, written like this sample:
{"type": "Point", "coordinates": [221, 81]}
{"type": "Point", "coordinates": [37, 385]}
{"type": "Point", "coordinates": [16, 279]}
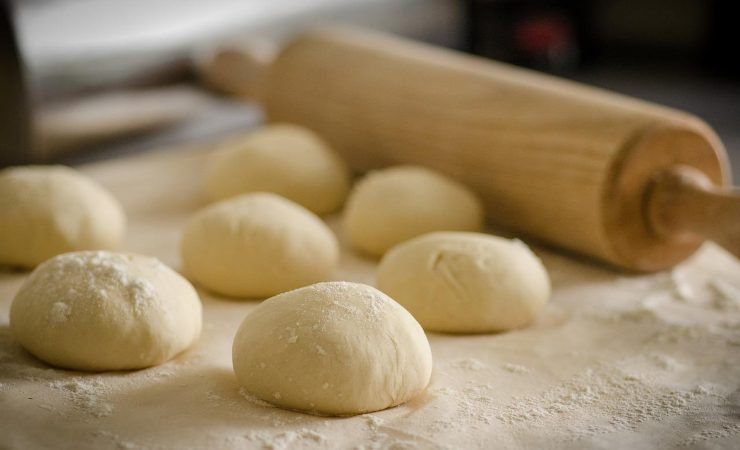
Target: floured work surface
{"type": "Point", "coordinates": [614, 361]}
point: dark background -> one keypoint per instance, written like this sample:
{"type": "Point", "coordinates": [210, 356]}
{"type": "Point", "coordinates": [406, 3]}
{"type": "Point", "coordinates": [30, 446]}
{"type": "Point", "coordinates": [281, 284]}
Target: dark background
{"type": "Point", "coordinates": [680, 53]}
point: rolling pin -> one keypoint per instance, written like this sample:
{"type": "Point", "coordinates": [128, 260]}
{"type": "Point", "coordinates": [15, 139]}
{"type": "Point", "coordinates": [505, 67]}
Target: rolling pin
{"type": "Point", "coordinates": [631, 183]}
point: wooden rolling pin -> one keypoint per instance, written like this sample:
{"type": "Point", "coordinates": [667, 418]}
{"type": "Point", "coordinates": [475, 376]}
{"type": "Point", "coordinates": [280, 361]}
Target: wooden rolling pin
{"type": "Point", "coordinates": [631, 183]}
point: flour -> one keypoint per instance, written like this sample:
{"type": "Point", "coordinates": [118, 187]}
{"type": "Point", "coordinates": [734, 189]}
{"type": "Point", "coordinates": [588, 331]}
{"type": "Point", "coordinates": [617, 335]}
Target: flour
{"type": "Point", "coordinates": [618, 400]}
{"type": "Point", "coordinates": [515, 368]}
{"type": "Point", "coordinates": [724, 431]}
{"type": "Point", "coordinates": [666, 362]}
{"type": "Point", "coordinates": [99, 275]}
{"type": "Point", "coordinates": [633, 361]}
{"type": "Point", "coordinates": [86, 393]}
{"type": "Point", "coordinates": [116, 440]}
{"type": "Point", "coordinates": [469, 364]}
{"type": "Point", "coordinates": [373, 421]}
{"type": "Point", "coordinates": [284, 440]}
{"type": "Point", "coordinates": [726, 296]}
{"type": "Point", "coordinates": [59, 313]}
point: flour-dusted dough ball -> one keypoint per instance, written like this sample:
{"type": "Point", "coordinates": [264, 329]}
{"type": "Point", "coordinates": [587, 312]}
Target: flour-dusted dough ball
{"type": "Point", "coordinates": [465, 282]}
{"type": "Point", "coordinates": [257, 245]}
{"type": "Point", "coordinates": [288, 160]}
{"type": "Point", "coordinates": [99, 310]}
{"type": "Point", "coordinates": [49, 210]}
{"type": "Point", "coordinates": [333, 348]}
{"type": "Point", "coordinates": [393, 205]}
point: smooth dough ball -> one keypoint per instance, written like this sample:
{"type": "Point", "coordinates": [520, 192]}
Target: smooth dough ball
{"type": "Point", "coordinates": [466, 282]}
{"type": "Point", "coordinates": [49, 210]}
{"type": "Point", "coordinates": [257, 245]}
{"type": "Point", "coordinates": [99, 310]}
{"type": "Point", "coordinates": [393, 205]}
{"type": "Point", "coordinates": [334, 348]}
{"type": "Point", "coordinates": [288, 160]}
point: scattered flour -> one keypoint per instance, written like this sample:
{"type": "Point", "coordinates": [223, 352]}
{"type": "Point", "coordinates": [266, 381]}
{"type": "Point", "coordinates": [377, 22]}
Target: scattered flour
{"type": "Point", "coordinates": [726, 296]}
{"type": "Point", "coordinates": [99, 275]}
{"type": "Point", "coordinates": [469, 364]}
{"type": "Point", "coordinates": [614, 392]}
{"type": "Point", "coordinates": [373, 421]}
{"type": "Point", "coordinates": [605, 395]}
{"type": "Point", "coordinates": [86, 393]}
{"type": "Point", "coordinates": [283, 440]}
{"type": "Point", "coordinates": [514, 368]}
{"type": "Point", "coordinates": [665, 362]}
{"type": "Point", "coordinates": [59, 313]}
{"type": "Point", "coordinates": [724, 431]}
{"type": "Point", "coordinates": [117, 441]}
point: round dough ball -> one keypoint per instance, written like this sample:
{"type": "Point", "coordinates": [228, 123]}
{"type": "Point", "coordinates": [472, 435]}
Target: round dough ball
{"type": "Point", "coordinates": [288, 160]}
{"type": "Point", "coordinates": [257, 245]}
{"type": "Point", "coordinates": [49, 210]}
{"type": "Point", "coordinates": [466, 282]}
{"type": "Point", "coordinates": [393, 205]}
{"type": "Point", "coordinates": [334, 348]}
{"type": "Point", "coordinates": [99, 310]}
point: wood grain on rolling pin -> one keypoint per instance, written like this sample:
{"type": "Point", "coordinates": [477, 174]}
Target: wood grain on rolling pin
{"type": "Point", "coordinates": [553, 159]}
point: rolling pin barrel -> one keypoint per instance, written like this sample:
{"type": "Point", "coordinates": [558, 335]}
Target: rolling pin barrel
{"type": "Point", "coordinates": [568, 164]}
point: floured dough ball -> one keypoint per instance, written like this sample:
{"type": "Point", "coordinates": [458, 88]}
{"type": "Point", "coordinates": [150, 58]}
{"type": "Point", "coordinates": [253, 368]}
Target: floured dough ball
{"type": "Point", "coordinates": [49, 210]}
{"type": "Point", "coordinates": [393, 205]}
{"type": "Point", "coordinates": [334, 348]}
{"type": "Point", "coordinates": [465, 282]}
{"type": "Point", "coordinates": [99, 310]}
{"type": "Point", "coordinates": [257, 245]}
{"type": "Point", "coordinates": [288, 160]}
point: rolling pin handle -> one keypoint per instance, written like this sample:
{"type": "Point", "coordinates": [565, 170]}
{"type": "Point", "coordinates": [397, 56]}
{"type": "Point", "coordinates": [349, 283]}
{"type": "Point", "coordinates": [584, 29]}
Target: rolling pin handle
{"type": "Point", "coordinates": [683, 203]}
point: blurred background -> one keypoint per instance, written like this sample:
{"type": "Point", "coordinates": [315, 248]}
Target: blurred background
{"type": "Point", "coordinates": [82, 80]}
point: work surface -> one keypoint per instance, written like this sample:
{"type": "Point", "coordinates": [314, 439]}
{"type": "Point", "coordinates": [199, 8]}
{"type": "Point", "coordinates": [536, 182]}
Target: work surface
{"type": "Point", "coordinates": [649, 361]}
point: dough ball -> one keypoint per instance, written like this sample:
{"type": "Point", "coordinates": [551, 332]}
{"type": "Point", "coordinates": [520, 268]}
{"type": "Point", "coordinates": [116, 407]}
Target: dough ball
{"type": "Point", "coordinates": [465, 282]}
{"type": "Point", "coordinates": [288, 160]}
{"type": "Point", "coordinates": [49, 210]}
{"type": "Point", "coordinates": [334, 348]}
{"type": "Point", "coordinates": [257, 245]}
{"type": "Point", "coordinates": [393, 205]}
{"type": "Point", "coordinates": [99, 310]}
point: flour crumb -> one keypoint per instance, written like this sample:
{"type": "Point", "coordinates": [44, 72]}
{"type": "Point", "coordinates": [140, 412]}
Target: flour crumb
{"type": "Point", "coordinates": [515, 368]}
{"type": "Point", "coordinates": [59, 312]}
{"type": "Point", "coordinates": [665, 362]}
{"type": "Point", "coordinates": [373, 421]}
{"type": "Point", "coordinates": [726, 297]}
{"type": "Point", "coordinates": [382, 441]}
{"type": "Point", "coordinates": [620, 400]}
{"type": "Point", "coordinates": [286, 439]}
{"type": "Point", "coordinates": [724, 431]}
{"type": "Point", "coordinates": [117, 441]}
{"type": "Point", "coordinates": [469, 364]}
{"type": "Point", "coordinates": [85, 394]}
